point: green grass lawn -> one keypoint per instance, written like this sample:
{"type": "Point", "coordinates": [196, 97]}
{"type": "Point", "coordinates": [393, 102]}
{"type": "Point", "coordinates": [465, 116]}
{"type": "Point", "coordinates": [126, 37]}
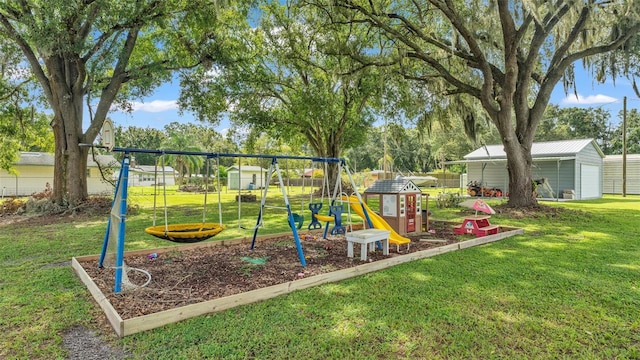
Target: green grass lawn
{"type": "Point", "coordinates": [568, 288]}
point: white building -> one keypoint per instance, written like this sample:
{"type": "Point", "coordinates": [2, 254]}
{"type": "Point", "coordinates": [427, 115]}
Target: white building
{"type": "Point", "coordinates": [251, 177]}
{"type": "Point", "coordinates": [571, 167]}
{"type": "Point", "coordinates": [35, 170]}
{"type": "Point", "coordinates": [612, 174]}
{"type": "Point", "coordinates": [145, 175]}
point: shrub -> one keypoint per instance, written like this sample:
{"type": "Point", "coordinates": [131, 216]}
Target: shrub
{"type": "Point", "coordinates": [448, 200]}
{"type": "Point", "coordinates": [11, 206]}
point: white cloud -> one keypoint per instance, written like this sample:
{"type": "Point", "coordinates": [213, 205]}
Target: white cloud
{"type": "Point", "coordinates": [155, 106]}
{"type": "Point", "coordinates": [19, 73]}
{"type": "Point", "coordinates": [587, 100]}
{"type": "Point", "coordinates": [213, 73]}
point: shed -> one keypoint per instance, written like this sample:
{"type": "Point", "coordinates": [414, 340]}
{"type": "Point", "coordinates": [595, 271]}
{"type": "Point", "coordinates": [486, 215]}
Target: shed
{"type": "Point", "coordinates": [246, 177]}
{"type": "Point", "coordinates": [572, 168]}
{"type": "Point", "coordinates": [35, 170]}
{"type": "Point", "coordinates": [612, 174]}
{"type": "Point", "coordinates": [398, 202]}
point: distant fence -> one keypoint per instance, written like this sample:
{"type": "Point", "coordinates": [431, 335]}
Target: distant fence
{"type": "Point", "coordinates": [27, 185]}
{"type": "Point", "coordinates": [444, 180]}
{"type": "Point", "coordinates": [23, 185]}
{"type": "Point", "coordinates": [614, 186]}
{"type": "Point", "coordinates": [317, 182]}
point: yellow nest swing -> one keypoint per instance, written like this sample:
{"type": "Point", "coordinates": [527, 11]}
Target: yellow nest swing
{"type": "Point", "coordinates": [185, 233]}
{"type": "Point", "coordinates": [190, 232]}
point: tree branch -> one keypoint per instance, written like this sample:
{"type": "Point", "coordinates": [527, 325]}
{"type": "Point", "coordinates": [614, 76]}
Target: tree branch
{"type": "Point", "coordinates": [111, 90]}
{"type": "Point", "coordinates": [30, 55]}
{"type": "Point", "coordinates": [15, 90]}
{"type": "Point", "coordinates": [486, 97]}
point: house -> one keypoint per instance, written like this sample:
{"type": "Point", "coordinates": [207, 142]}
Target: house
{"type": "Point", "coordinates": [145, 175]}
{"type": "Point", "coordinates": [612, 174]}
{"type": "Point", "coordinates": [246, 177]}
{"type": "Point", "coordinates": [307, 173]}
{"type": "Point", "coordinates": [571, 168]}
{"type": "Point", "coordinates": [35, 170]}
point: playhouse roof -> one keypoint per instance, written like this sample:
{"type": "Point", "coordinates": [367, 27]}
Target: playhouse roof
{"type": "Point", "coordinates": [392, 187]}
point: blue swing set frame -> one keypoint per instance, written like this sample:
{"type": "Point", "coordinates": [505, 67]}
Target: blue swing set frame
{"type": "Point", "coordinates": [118, 215]}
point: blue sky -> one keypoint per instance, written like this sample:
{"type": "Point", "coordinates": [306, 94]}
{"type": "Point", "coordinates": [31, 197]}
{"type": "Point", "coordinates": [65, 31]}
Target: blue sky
{"type": "Point", "coordinates": [161, 108]}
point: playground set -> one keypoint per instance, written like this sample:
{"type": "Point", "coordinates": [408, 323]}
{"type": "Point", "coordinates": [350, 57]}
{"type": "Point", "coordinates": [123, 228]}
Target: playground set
{"type": "Point", "coordinates": [376, 229]}
{"type": "Point", "coordinates": [377, 232]}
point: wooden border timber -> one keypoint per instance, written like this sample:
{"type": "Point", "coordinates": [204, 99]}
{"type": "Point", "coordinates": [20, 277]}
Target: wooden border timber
{"type": "Point", "coordinates": [151, 321]}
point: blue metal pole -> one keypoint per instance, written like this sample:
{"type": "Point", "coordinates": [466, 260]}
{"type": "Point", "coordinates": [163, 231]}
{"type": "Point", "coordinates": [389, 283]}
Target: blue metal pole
{"type": "Point", "coordinates": [290, 214]}
{"type": "Point", "coordinates": [121, 228]}
{"type": "Point", "coordinates": [212, 154]}
{"type": "Point", "coordinates": [105, 243]}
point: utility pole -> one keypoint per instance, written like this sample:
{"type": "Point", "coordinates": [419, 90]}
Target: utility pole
{"type": "Point", "coordinates": [385, 168]}
{"type": "Point", "coordinates": [624, 147]}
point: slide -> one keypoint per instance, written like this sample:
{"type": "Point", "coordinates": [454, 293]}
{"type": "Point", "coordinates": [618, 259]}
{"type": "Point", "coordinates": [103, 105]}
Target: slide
{"type": "Point", "coordinates": [377, 221]}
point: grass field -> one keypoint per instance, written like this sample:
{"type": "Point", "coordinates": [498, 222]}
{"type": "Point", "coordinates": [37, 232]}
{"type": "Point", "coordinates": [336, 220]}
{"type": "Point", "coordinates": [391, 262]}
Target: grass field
{"type": "Point", "coordinates": [568, 288]}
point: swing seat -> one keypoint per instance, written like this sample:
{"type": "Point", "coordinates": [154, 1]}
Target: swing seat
{"type": "Point", "coordinates": [185, 233]}
{"type": "Point", "coordinates": [298, 219]}
{"type": "Point", "coordinates": [324, 217]}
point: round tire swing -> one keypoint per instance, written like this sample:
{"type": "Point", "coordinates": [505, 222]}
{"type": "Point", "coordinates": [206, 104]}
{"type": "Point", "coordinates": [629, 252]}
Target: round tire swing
{"type": "Point", "coordinates": [185, 233]}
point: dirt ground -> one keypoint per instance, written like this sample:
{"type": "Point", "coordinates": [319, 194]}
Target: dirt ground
{"type": "Point", "coordinates": [185, 277]}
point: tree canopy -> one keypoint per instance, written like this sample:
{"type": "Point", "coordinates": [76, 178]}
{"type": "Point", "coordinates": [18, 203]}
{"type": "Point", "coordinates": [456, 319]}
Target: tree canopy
{"type": "Point", "coordinates": [292, 82]}
{"type": "Point", "coordinates": [92, 55]}
{"type": "Point", "coordinates": [507, 55]}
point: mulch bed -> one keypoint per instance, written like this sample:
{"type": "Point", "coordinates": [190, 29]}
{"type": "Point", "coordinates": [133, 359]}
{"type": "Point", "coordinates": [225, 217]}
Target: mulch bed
{"type": "Point", "coordinates": [183, 277]}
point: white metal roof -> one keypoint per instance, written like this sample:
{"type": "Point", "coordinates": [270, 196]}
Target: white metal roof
{"type": "Point", "coordinates": [47, 159]}
{"type": "Point", "coordinates": [547, 149]}
{"type": "Point", "coordinates": [504, 160]}
{"type": "Point", "coordinates": [151, 169]}
{"type": "Point", "coordinates": [247, 168]}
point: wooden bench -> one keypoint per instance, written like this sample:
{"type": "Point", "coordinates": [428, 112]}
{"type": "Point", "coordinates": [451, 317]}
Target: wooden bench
{"type": "Point", "coordinates": [367, 238]}
{"type": "Point", "coordinates": [488, 230]}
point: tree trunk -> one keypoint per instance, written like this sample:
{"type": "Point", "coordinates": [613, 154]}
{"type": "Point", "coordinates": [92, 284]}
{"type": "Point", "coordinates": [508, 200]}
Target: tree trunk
{"type": "Point", "coordinates": [70, 177]}
{"type": "Point", "coordinates": [333, 151]}
{"type": "Point", "coordinates": [59, 185]}
{"type": "Point", "coordinates": [70, 164]}
{"type": "Point", "coordinates": [520, 179]}
{"type": "Point", "coordinates": [517, 144]}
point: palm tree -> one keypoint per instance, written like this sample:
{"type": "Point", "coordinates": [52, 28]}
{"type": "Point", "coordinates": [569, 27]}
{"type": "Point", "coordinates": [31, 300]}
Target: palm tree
{"type": "Point", "coordinates": [182, 163]}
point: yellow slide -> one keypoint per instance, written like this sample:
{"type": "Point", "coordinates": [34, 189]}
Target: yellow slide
{"type": "Point", "coordinates": [376, 220]}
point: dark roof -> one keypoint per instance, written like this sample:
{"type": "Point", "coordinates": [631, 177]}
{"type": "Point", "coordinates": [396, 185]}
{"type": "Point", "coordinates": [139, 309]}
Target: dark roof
{"type": "Point", "coordinates": [392, 187]}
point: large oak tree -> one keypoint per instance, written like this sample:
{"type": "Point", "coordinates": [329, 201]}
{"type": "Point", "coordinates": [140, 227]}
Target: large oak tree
{"type": "Point", "coordinates": [293, 83]}
{"type": "Point", "coordinates": [509, 55]}
{"type": "Point", "coordinates": [88, 55]}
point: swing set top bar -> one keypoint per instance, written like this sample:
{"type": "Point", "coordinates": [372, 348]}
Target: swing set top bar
{"type": "Point", "coordinates": [217, 155]}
